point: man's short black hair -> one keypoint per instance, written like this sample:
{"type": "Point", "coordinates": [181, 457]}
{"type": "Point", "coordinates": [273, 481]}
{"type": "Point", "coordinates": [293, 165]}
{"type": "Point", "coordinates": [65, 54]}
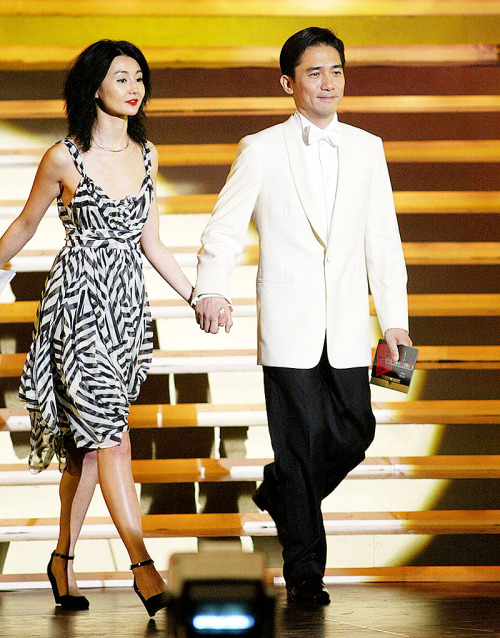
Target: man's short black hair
{"type": "Point", "coordinates": [295, 46]}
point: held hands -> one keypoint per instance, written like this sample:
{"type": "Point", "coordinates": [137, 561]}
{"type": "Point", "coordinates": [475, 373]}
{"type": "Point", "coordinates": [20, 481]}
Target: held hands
{"type": "Point", "coordinates": [395, 337]}
{"type": "Point", "coordinates": [212, 313]}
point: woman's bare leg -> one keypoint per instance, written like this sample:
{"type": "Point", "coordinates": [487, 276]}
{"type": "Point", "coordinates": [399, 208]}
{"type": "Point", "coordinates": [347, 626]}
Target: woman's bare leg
{"type": "Point", "coordinates": [75, 490]}
{"type": "Point", "coordinates": [117, 485]}
{"type": "Point", "coordinates": [81, 502]}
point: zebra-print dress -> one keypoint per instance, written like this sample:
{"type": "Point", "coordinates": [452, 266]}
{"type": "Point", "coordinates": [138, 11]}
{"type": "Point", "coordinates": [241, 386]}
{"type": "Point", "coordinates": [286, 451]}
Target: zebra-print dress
{"type": "Point", "coordinates": [92, 341]}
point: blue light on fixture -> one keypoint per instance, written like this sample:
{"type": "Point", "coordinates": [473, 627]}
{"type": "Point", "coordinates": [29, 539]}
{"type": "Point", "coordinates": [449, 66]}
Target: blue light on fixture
{"type": "Point", "coordinates": [223, 622]}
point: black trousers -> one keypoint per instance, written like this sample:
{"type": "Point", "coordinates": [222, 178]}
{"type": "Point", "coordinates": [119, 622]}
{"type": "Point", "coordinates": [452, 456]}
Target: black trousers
{"type": "Point", "coordinates": [320, 423]}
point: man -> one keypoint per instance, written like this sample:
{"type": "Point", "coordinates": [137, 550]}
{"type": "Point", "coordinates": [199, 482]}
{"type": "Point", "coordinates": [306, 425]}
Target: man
{"type": "Point", "coordinates": [320, 196]}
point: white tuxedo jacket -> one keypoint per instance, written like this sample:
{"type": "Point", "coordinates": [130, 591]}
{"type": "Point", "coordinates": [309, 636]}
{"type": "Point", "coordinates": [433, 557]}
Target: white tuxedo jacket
{"type": "Point", "coordinates": [310, 284]}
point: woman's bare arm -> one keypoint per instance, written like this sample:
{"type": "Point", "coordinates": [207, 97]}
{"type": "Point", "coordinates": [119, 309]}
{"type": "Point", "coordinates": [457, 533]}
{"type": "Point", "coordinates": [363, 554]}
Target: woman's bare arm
{"type": "Point", "coordinates": [155, 250]}
{"type": "Point", "coordinates": [46, 187]}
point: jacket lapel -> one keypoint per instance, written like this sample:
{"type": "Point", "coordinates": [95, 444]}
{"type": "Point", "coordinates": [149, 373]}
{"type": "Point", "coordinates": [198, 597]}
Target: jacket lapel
{"type": "Point", "coordinates": [343, 186]}
{"type": "Point", "coordinates": [303, 184]}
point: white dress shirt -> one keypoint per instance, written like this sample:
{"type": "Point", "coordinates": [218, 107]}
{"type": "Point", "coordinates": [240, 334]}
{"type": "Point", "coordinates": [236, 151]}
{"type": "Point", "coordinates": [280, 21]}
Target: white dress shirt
{"type": "Point", "coordinates": [321, 151]}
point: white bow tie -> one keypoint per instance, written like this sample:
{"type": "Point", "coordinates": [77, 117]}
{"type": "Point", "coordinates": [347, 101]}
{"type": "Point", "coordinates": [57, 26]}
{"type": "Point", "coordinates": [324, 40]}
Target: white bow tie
{"type": "Point", "coordinates": [331, 135]}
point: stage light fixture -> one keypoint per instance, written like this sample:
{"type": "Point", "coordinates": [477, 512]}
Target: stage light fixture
{"type": "Point", "coordinates": [219, 593]}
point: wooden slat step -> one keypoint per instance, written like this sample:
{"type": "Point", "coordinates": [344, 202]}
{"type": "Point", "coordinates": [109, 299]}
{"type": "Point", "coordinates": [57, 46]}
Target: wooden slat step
{"type": "Point", "coordinates": [51, 57]}
{"type": "Point", "coordinates": [449, 305]}
{"type": "Point", "coordinates": [413, 202]}
{"type": "Point", "coordinates": [426, 522]}
{"type": "Point", "coordinates": [414, 467]}
{"type": "Point", "coordinates": [421, 253]}
{"type": "Point", "coordinates": [438, 411]}
{"type": "Point", "coordinates": [463, 151]}
{"type": "Point", "coordinates": [256, 524]}
{"type": "Point", "coordinates": [333, 575]}
{"type": "Point", "coordinates": [411, 573]}
{"type": "Point", "coordinates": [25, 311]}
{"type": "Point", "coordinates": [217, 106]}
{"type": "Point", "coordinates": [179, 415]}
{"type": "Point", "coordinates": [447, 202]}
{"type": "Point", "coordinates": [237, 469]}
{"type": "Point", "coordinates": [166, 362]}
{"type": "Point", "coordinates": [279, 8]}
{"type": "Point", "coordinates": [188, 361]}
{"type": "Point", "coordinates": [212, 415]}
{"type": "Point", "coordinates": [453, 305]}
{"type": "Point", "coordinates": [42, 260]}
{"type": "Point", "coordinates": [451, 253]}
{"type": "Point", "coordinates": [478, 466]}
{"type": "Point", "coordinates": [443, 151]}
{"type": "Point", "coordinates": [247, 415]}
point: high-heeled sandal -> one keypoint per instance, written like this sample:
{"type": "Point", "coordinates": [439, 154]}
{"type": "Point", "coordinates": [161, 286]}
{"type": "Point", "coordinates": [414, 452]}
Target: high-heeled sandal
{"type": "Point", "coordinates": [153, 603]}
{"type": "Point", "coordinates": [66, 601]}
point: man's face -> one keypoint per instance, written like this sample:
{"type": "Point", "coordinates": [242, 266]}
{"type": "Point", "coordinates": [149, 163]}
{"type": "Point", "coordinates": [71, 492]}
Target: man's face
{"type": "Point", "coordinates": [319, 84]}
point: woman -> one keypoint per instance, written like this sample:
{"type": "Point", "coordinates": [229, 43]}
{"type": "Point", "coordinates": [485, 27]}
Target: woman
{"type": "Point", "coordinates": [93, 340]}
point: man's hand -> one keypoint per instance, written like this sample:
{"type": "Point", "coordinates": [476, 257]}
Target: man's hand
{"type": "Point", "coordinates": [212, 313]}
{"type": "Point", "coordinates": [395, 337]}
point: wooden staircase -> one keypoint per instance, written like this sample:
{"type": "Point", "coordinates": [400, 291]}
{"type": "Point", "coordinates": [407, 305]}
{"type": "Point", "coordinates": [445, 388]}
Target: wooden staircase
{"type": "Point", "coordinates": [427, 86]}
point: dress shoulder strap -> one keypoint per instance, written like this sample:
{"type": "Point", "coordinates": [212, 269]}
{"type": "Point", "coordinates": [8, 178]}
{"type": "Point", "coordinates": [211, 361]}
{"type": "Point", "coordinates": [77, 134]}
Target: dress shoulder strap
{"type": "Point", "coordinates": [146, 153]}
{"type": "Point", "coordinates": [75, 154]}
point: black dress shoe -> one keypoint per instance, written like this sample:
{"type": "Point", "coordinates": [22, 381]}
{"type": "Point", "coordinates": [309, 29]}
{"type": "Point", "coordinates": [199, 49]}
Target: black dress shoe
{"type": "Point", "coordinates": [311, 591]}
{"type": "Point", "coordinates": [265, 500]}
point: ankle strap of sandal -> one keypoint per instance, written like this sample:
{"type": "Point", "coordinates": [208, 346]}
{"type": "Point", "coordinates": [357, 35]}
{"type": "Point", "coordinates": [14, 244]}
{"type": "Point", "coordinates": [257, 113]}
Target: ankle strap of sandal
{"type": "Point", "coordinates": [62, 556]}
{"type": "Point", "coordinates": [149, 561]}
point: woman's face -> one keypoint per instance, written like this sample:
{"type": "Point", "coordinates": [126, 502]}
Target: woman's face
{"type": "Point", "coordinates": [122, 90]}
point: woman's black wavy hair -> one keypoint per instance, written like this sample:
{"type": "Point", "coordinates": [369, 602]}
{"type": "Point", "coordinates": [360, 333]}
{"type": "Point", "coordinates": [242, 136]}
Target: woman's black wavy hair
{"type": "Point", "coordinates": [84, 78]}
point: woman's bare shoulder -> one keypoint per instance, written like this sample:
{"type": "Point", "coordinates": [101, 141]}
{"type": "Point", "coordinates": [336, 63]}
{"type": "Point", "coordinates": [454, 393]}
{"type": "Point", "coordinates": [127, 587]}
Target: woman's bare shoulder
{"type": "Point", "coordinates": [58, 157]}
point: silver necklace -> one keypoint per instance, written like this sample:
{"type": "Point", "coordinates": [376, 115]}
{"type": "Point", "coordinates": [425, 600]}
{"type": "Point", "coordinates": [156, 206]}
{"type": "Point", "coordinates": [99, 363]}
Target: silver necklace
{"type": "Point", "coordinates": [111, 150]}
